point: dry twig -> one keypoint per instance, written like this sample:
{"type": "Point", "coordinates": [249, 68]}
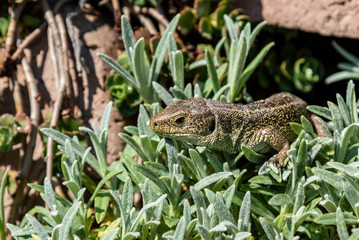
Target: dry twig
{"type": "Point", "coordinates": [35, 114]}
{"type": "Point", "coordinates": [153, 13]}
{"type": "Point", "coordinates": [36, 33]}
{"type": "Point", "coordinates": [53, 56]}
{"type": "Point", "coordinates": [145, 21]}
{"type": "Point", "coordinates": [117, 13]}
{"type": "Point", "coordinates": [31, 37]}
{"type": "Point", "coordinates": [65, 53]}
{"type": "Point", "coordinates": [11, 32]}
{"type": "Point", "coordinates": [60, 90]}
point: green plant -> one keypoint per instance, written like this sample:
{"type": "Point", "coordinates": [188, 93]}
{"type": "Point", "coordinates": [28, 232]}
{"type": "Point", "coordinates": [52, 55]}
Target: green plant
{"type": "Point", "coordinates": [143, 73]}
{"type": "Point", "coordinates": [11, 129]}
{"type": "Point", "coordinates": [190, 192]}
{"type": "Point", "coordinates": [68, 126]}
{"type": "Point", "coordinates": [292, 68]}
{"type": "Point", "coordinates": [125, 97]}
{"type": "Point", "coordinates": [350, 70]}
{"type": "Point", "coordinates": [2, 195]}
{"type": "Point", "coordinates": [209, 23]}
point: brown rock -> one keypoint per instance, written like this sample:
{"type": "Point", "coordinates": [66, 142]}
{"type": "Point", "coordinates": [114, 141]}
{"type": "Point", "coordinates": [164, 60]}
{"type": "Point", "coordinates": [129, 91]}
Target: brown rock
{"type": "Point", "coordinates": [338, 18]}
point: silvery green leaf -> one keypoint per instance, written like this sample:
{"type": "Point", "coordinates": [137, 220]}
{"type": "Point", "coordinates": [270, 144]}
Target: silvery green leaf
{"type": "Point", "coordinates": [331, 219]}
{"type": "Point", "coordinates": [222, 211]}
{"type": "Point", "coordinates": [228, 195]}
{"type": "Point", "coordinates": [255, 32]}
{"type": "Point", "coordinates": [160, 52]}
{"type": "Point", "coordinates": [232, 228]}
{"type": "Point", "coordinates": [280, 200]}
{"type": "Point", "coordinates": [141, 71]}
{"type": "Point", "coordinates": [212, 72]}
{"type": "Point", "coordinates": [343, 109]}
{"type": "Point", "coordinates": [153, 177]}
{"type": "Point", "coordinates": [39, 229]}
{"type": "Point", "coordinates": [163, 93]}
{"type": "Point", "coordinates": [127, 197]}
{"type": "Point", "coordinates": [99, 150]}
{"type": "Point", "coordinates": [77, 148]}
{"type": "Point", "coordinates": [342, 75]}
{"type": "Point", "coordinates": [217, 51]}
{"type": "Point", "coordinates": [106, 116]}
{"type": "Point", "coordinates": [269, 228]}
{"type": "Point", "coordinates": [64, 232]}
{"type": "Point", "coordinates": [248, 71]}
{"type": "Point", "coordinates": [218, 228]}
{"type": "Point", "coordinates": [245, 212]}
{"type": "Point", "coordinates": [199, 162]}
{"type": "Point", "coordinates": [115, 66]}
{"type": "Point", "coordinates": [199, 202]}
{"type": "Point", "coordinates": [349, 170]}
{"type": "Point", "coordinates": [235, 69]}
{"type": "Point", "coordinates": [231, 28]}
{"type": "Point", "coordinates": [204, 232]}
{"type": "Point", "coordinates": [178, 74]}
{"type": "Point", "coordinates": [329, 177]}
{"type": "Point", "coordinates": [197, 91]}
{"type": "Point", "coordinates": [351, 191]}
{"type": "Point", "coordinates": [180, 229]}
{"type": "Point", "coordinates": [242, 235]}
{"type": "Point", "coordinates": [50, 196]}
{"type": "Point", "coordinates": [341, 225]}
{"type": "Point", "coordinates": [321, 111]}
{"type": "Point", "coordinates": [187, 212]}
{"type": "Point", "coordinates": [143, 210]}
{"type": "Point", "coordinates": [351, 101]}
{"type": "Point", "coordinates": [299, 197]}
{"type": "Point", "coordinates": [107, 177]}
{"type": "Point", "coordinates": [188, 90]}
{"type": "Point", "coordinates": [131, 236]}
{"type": "Point", "coordinates": [178, 93]}
{"type": "Point", "coordinates": [130, 141]}
{"type": "Point", "coordinates": [328, 205]}
{"type": "Point", "coordinates": [350, 57]}
{"type": "Point", "coordinates": [172, 154]}
{"type": "Point", "coordinates": [128, 38]}
{"type": "Point", "coordinates": [111, 235]}
{"type": "Point", "coordinates": [221, 91]}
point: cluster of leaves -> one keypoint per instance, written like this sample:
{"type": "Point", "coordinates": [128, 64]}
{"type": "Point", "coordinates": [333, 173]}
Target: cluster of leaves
{"type": "Point", "coordinates": [210, 22]}
{"type": "Point", "coordinates": [11, 130]}
{"type": "Point", "coordinates": [4, 24]}
{"type": "Point", "coordinates": [350, 70]}
{"type": "Point", "coordinates": [68, 126]}
{"type": "Point", "coordinates": [292, 68]}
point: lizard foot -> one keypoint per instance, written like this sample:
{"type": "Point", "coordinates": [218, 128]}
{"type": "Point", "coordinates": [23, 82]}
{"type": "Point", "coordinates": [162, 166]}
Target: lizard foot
{"type": "Point", "coordinates": [280, 156]}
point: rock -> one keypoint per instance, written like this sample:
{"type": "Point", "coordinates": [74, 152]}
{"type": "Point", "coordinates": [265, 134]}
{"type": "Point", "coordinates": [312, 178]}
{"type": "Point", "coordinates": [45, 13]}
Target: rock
{"type": "Point", "coordinates": [339, 18]}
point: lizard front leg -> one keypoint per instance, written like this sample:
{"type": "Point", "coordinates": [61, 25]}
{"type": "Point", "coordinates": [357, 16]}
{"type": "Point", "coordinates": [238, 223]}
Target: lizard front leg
{"type": "Point", "coordinates": [267, 138]}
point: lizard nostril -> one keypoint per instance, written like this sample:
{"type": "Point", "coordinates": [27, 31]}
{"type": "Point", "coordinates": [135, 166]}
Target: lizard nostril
{"type": "Point", "coordinates": [155, 124]}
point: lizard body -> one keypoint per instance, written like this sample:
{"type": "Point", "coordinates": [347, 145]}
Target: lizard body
{"type": "Point", "coordinates": [261, 126]}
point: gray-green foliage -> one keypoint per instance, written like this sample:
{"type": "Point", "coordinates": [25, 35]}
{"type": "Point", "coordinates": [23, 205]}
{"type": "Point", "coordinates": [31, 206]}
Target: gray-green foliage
{"type": "Point", "coordinates": [190, 192]}
{"type": "Point", "coordinates": [349, 70]}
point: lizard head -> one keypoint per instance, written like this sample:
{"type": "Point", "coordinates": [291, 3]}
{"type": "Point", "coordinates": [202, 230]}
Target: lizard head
{"type": "Point", "coordinates": [186, 120]}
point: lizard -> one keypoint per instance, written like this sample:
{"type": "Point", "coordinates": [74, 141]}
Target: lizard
{"type": "Point", "coordinates": [262, 126]}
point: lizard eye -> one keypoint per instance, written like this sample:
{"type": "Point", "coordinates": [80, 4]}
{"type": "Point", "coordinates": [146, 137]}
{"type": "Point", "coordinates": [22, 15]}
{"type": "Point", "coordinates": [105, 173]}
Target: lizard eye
{"type": "Point", "coordinates": [212, 126]}
{"type": "Point", "coordinates": [180, 120]}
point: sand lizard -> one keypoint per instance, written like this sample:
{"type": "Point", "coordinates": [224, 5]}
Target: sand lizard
{"type": "Point", "coordinates": [261, 126]}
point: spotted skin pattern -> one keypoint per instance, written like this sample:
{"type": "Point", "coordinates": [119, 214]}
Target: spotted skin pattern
{"type": "Point", "coordinates": [261, 126]}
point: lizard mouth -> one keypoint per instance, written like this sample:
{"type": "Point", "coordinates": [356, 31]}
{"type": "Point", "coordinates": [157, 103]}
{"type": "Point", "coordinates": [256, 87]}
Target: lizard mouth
{"type": "Point", "coordinates": [178, 136]}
